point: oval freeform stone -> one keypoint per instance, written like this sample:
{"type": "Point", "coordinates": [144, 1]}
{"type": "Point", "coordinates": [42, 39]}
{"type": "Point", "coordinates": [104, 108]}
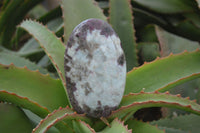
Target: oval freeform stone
{"type": "Point", "coordinates": [95, 68]}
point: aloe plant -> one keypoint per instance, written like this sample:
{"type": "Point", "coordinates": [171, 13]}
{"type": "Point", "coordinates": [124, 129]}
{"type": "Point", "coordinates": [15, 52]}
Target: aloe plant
{"type": "Point", "coordinates": [160, 65]}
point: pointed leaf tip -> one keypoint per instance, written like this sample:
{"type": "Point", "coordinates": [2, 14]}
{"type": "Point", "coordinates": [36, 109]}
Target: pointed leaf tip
{"type": "Point", "coordinates": [53, 47]}
{"type": "Point", "coordinates": [86, 127]}
{"type": "Point", "coordinates": [117, 126]}
{"type": "Point", "coordinates": [167, 92]}
{"type": "Point", "coordinates": [57, 116]}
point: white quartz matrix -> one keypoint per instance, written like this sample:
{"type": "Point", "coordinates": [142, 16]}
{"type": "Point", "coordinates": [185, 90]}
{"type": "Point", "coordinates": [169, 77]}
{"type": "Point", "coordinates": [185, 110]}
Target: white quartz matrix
{"type": "Point", "coordinates": [95, 68]}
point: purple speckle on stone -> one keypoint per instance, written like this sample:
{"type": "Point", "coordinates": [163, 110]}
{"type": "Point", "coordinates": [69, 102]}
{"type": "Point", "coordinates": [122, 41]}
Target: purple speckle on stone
{"type": "Point", "coordinates": [95, 68]}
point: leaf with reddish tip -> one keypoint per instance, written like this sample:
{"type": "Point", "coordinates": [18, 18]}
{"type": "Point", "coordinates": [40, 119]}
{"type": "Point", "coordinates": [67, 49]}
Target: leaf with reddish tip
{"type": "Point", "coordinates": [164, 74]}
{"type": "Point", "coordinates": [117, 126]}
{"type": "Point", "coordinates": [122, 23]}
{"type": "Point", "coordinates": [65, 114]}
{"type": "Point", "coordinates": [135, 101]}
{"type": "Point", "coordinates": [53, 46]}
{"type": "Point", "coordinates": [141, 127]}
{"type": "Point", "coordinates": [82, 127]}
{"type": "Point", "coordinates": [13, 120]}
{"type": "Point", "coordinates": [38, 88]}
{"type": "Point", "coordinates": [75, 11]}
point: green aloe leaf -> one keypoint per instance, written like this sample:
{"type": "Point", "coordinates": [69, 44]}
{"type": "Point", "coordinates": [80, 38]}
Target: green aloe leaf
{"type": "Point", "coordinates": [29, 48]}
{"type": "Point", "coordinates": [186, 123]}
{"type": "Point", "coordinates": [164, 74]}
{"type": "Point", "coordinates": [141, 127]}
{"type": "Point", "coordinates": [172, 130]}
{"type": "Point", "coordinates": [54, 13]}
{"type": "Point", "coordinates": [32, 47]}
{"type": "Point", "coordinates": [55, 24]}
{"type": "Point", "coordinates": [185, 28]}
{"type": "Point", "coordinates": [44, 19]}
{"type": "Point", "coordinates": [8, 58]}
{"type": "Point", "coordinates": [143, 17]}
{"type": "Point", "coordinates": [116, 126]}
{"type": "Point", "coordinates": [66, 114]}
{"type": "Point", "coordinates": [122, 23]}
{"type": "Point", "coordinates": [42, 89]}
{"type": "Point", "coordinates": [13, 120]}
{"type": "Point", "coordinates": [37, 11]}
{"type": "Point", "coordinates": [44, 62]}
{"type": "Point", "coordinates": [135, 101]}
{"type": "Point", "coordinates": [82, 10]}
{"type": "Point", "coordinates": [82, 127]}
{"type": "Point", "coordinates": [147, 33]}
{"type": "Point", "coordinates": [103, 4]}
{"type": "Point", "coordinates": [168, 6]}
{"type": "Point", "coordinates": [8, 10]}
{"type": "Point", "coordinates": [13, 15]}
{"type": "Point", "coordinates": [181, 25]}
{"type": "Point", "coordinates": [34, 107]}
{"type": "Point", "coordinates": [188, 89]}
{"type": "Point", "coordinates": [194, 18]}
{"type": "Point", "coordinates": [53, 46]}
{"type": "Point", "coordinates": [170, 43]}
{"type": "Point", "coordinates": [148, 51]}
{"type": "Point", "coordinates": [23, 102]}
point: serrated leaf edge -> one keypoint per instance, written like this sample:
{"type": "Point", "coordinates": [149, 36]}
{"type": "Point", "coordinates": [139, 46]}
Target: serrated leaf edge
{"type": "Point", "coordinates": [87, 125]}
{"type": "Point", "coordinates": [161, 58]}
{"type": "Point", "coordinates": [181, 115]}
{"type": "Point", "coordinates": [26, 99]}
{"type": "Point", "coordinates": [190, 77]}
{"type": "Point", "coordinates": [96, 4]}
{"type": "Point", "coordinates": [122, 123]}
{"type": "Point", "coordinates": [133, 28]}
{"type": "Point", "coordinates": [58, 119]}
{"type": "Point", "coordinates": [59, 39]}
{"type": "Point", "coordinates": [26, 68]}
{"type": "Point", "coordinates": [155, 102]}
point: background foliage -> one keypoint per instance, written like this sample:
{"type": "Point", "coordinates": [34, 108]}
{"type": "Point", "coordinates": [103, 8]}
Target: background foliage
{"type": "Point", "coordinates": [160, 39]}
